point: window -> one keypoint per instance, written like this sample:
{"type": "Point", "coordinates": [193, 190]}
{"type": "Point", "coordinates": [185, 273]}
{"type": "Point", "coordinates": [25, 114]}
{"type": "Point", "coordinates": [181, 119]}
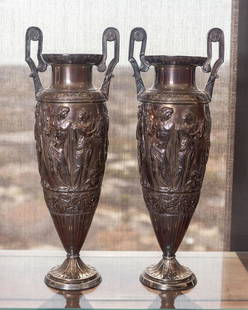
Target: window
{"type": "Point", "coordinates": [121, 221]}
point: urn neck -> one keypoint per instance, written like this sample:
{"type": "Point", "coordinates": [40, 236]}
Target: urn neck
{"type": "Point", "coordinates": [174, 77]}
{"type": "Point", "coordinates": [71, 76]}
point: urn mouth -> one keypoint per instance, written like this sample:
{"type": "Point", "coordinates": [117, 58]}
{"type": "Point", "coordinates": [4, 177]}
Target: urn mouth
{"type": "Point", "coordinates": [175, 60]}
{"type": "Point", "coordinates": [76, 59]}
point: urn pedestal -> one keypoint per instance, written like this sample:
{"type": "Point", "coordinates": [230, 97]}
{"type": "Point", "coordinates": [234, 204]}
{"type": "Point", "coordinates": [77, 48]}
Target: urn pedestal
{"type": "Point", "coordinates": [173, 135]}
{"type": "Point", "coordinates": [71, 133]}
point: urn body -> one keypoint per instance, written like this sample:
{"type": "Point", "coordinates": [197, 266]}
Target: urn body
{"type": "Point", "coordinates": [71, 132]}
{"type": "Point", "coordinates": [173, 135]}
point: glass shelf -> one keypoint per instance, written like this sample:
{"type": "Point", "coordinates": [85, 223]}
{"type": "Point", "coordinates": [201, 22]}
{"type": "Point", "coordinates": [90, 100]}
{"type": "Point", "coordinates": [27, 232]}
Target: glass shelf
{"type": "Point", "coordinates": [222, 281]}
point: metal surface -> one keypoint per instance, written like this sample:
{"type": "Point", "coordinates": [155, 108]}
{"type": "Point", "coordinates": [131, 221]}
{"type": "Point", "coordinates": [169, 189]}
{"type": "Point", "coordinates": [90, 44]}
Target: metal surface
{"type": "Point", "coordinates": [168, 274]}
{"type": "Point", "coordinates": [173, 135]}
{"type": "Point", "coordinates": [73, 274]}
{"type": "Point", "coordinates": [71, 133]}
{"type": "Point", "coordinates": [35, 34]}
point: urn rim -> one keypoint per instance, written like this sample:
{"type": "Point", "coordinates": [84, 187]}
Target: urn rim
{"type": "Point", "coordinates": [69, 59]}
{"type": "Point", "coordinates": [175, 60]}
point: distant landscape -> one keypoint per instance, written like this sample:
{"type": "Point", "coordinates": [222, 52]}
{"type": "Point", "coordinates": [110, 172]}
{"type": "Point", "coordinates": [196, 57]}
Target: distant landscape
{"type": "Point", "coordinates": [121, 221]}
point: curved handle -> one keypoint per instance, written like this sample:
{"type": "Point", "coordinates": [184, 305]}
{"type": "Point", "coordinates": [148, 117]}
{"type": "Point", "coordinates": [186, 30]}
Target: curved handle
{"type": "Point", "coordinates": [35, 34]}
{"type": "Point", "coordinates": [109, 34]}
{"type": "Point", "coordinates": [214, 35]}
{"type": "Point", "coordinates": [138, 34]}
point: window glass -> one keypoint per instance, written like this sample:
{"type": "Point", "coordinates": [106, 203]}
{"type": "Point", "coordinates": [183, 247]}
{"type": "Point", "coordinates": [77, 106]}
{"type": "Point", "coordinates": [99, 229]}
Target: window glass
{"type": "Point", "coordinates": [121, 221]}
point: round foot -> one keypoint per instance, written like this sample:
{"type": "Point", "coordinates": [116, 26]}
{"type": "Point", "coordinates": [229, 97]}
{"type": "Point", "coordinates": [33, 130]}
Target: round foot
{"type": "Point", "coordinates": [168, 274]}
{"type": "Point", "coordinates": [72, 275]}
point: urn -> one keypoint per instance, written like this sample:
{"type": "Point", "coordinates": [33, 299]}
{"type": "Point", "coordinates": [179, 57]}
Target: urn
{"type": "Point", "coordinates": [173, 136]}
{"type": "Point", "coordinates": [71, 133]}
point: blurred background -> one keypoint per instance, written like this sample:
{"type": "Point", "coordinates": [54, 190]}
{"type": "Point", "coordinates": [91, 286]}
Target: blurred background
{"type": "Point", "coordinates": [121, 222]}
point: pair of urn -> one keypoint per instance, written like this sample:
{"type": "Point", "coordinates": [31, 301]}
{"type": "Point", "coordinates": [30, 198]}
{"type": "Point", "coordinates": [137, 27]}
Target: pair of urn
{"type": "Point", "coordinates": [173, 136]}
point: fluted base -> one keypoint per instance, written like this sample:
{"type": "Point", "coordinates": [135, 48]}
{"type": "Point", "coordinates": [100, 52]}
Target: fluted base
{"type": "Point", "coordinates": [73, 274]}
{"type": "Point", "coordinates": [168, 274]}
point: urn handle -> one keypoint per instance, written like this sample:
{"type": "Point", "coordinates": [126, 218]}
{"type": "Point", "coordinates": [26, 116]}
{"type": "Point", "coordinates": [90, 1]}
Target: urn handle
{"type": "Point", "coordinates": [109, 34]}
{"type": "Point", "coordinates": [35, 34]}
{"type": "Point", "coordinates": [214, 35]}
{"type": "Point", "coordinates": [138, 34]}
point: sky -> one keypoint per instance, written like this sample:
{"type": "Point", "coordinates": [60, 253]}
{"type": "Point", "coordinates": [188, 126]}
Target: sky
{"type": "Point", "coordinates": [174, 27]}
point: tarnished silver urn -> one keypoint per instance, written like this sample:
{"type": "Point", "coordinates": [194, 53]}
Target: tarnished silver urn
{"type": "Point", "coordinates": [173, 135]}
{"type": "Point", "coordinates": [71, 133]}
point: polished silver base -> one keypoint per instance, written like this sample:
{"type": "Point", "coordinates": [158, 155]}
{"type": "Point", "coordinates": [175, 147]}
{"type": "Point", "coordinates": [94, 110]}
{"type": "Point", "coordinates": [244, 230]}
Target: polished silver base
{"type": "Point", "coordinates": [72, 275]}
{"type": "Point", "coordinates": [168, 274]}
